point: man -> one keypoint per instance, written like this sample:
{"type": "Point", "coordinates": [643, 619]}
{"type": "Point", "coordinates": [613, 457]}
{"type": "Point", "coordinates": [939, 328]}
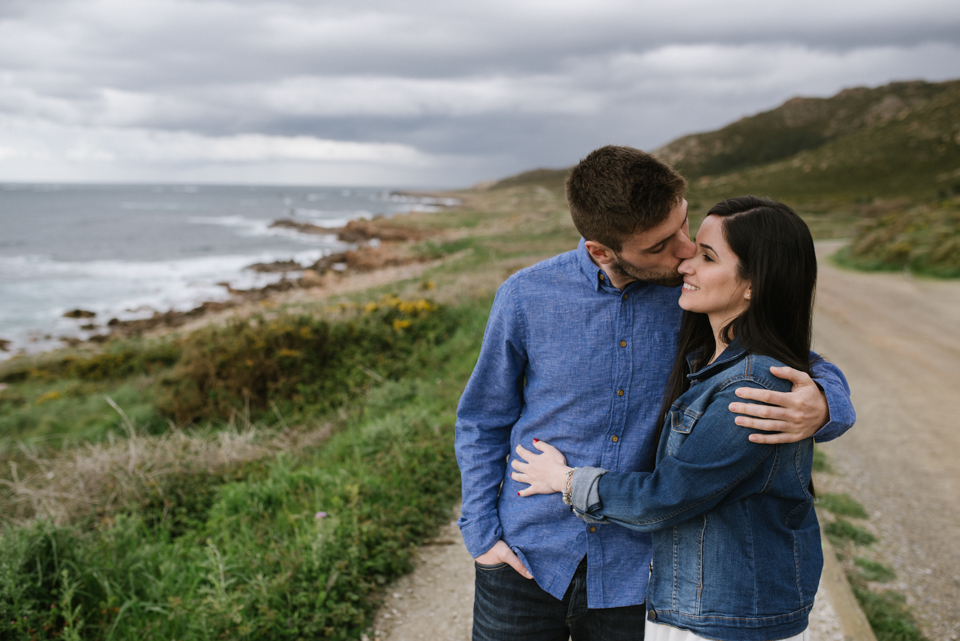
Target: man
{"type": "Point", "coordinates": [577, 352]}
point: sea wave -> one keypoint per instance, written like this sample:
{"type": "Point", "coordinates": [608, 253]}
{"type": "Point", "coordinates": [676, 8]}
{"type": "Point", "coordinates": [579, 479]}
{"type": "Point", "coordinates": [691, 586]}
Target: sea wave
{"type": "Point", "coordinates": [260, 227]}
{"type": "Point", "coordinates": [38, 290]}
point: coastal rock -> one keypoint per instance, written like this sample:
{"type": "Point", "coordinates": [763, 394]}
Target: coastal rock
{"type": "Point", "coordinates": [79, 313]}
{"type": "Point", "coordinates": [276, 267]}
{"type": "Point", "coordinates": [311, 278]}
{"type": "Point", "coordinates": [4, 345]}
{"type": "Point", "coordinates": [355, 231]}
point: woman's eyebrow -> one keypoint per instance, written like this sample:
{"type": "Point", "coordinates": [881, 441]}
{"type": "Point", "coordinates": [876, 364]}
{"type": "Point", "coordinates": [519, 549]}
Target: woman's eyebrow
{"type": "Point", "coordinates": [712, 250]}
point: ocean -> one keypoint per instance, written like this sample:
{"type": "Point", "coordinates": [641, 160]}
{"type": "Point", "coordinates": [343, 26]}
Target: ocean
{"type": "Point", "coordinates": [127, 251]}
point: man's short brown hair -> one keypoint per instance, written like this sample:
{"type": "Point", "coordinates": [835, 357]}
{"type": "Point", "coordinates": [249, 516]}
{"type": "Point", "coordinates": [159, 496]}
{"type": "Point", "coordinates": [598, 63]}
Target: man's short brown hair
{"type": "Point", "coordinates": [618, 191]}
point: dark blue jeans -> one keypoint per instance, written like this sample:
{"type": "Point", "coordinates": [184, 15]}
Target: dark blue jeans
{"type": "Point", "coordinates": [508, 607]}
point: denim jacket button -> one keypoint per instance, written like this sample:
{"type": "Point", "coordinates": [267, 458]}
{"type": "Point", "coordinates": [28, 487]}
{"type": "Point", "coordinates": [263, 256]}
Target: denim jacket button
{"type": "Point", "coordinates": [653, 614]}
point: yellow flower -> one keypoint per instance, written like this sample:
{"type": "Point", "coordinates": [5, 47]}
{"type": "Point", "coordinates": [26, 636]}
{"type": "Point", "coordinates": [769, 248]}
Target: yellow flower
{"type": "Point", "coordinates": [292, 353]}
{"type": "Point", "coordinates": [371, 306]}
{"type": "Point", "coordinates": [400, 324]}
{"type": "Point", "coordinates": [49, 396]}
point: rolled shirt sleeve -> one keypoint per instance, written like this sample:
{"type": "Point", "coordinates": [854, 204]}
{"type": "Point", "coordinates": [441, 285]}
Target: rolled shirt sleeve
{"type": "Point", "coordinates": [837, 392]}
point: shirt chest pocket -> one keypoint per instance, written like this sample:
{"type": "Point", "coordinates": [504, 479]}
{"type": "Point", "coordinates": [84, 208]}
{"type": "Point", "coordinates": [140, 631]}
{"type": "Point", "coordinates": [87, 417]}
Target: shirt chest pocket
{"type": "Point", "coordinates": [681, 424]}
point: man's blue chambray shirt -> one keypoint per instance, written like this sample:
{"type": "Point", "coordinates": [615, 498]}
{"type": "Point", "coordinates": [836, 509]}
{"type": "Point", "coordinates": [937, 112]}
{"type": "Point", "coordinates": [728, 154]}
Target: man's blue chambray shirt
{"type": "Point", "coordinates": [573, 361]}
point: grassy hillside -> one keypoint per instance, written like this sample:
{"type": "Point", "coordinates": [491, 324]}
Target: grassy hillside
{"type": "Point", "coordinates": [898, 148]}
{"type": "Point", "coordinates": [899, 140]}
{"type": "Point", "coordinates": [843, 162]}
{"type": "Point", "coordinates": [806, 124]}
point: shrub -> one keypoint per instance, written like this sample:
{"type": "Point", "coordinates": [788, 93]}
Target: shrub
{"type": "Point", "coordinates": [118, 362]}
{"type": "Point", "coordinates": [313, 362]}
{"type": "Point", "coordinates": [924, 240]}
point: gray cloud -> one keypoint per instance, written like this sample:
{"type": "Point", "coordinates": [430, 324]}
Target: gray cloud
{"type": "Point", "coordinates": [473, 90]}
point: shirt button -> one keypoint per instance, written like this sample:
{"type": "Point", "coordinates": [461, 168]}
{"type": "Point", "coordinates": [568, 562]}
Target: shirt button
{"type": "Point", "coordinates": [614, 438]}
{"type": "Point", "coordinates": [653, 614]}
{"type": "Point", "coordinates": [619, 392]}
{"type": "Point", "coordinates": [623, 343]}
{"type": "Point", "coordinates": [626, 296]}
{"type": "Point", "coordinates": [593, 528]}
{"type": "Point", "coordinates": [602, 277]}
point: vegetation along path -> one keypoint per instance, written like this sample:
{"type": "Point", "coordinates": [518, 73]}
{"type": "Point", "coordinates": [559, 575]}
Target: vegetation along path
{"type": "Point", "coordinates": [898, 340]}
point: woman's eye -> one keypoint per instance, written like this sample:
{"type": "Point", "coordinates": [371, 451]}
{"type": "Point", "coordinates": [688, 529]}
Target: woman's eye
{"type": "Point", "coordinates": [707, 258]}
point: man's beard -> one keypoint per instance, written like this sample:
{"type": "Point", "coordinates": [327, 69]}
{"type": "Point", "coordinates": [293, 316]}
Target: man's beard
{"type": "Point", "coordinates": [665, 278]}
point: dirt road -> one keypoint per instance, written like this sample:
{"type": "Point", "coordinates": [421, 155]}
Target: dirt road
{"type": "Point", "coordinates": [898, 341]}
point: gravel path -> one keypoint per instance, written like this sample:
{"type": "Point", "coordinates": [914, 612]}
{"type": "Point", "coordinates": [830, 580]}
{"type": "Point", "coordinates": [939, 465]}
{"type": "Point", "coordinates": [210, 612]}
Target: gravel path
{"type": "Point", "coordinates": [898, 341]}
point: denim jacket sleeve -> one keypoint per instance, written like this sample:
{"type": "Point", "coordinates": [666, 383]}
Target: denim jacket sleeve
{"type": "Point", "coordinates": [834, 385]}
{"type": "Point", "coordinates": [490, 405]}
{"type": "Point", "coordinates": [713, 460]}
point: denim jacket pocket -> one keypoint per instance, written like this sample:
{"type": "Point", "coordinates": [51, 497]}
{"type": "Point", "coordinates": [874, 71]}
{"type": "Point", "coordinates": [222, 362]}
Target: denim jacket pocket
{"type": "Point", "coordinates": [681, 424]}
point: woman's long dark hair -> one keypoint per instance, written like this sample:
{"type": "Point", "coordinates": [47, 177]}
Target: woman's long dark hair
{"type": "Point", "coordinates": [776, 255]}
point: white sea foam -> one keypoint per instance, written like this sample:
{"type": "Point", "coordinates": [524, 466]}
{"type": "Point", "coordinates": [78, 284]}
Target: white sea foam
{"type": "Point", "coordinates": [39, 290]}
{"type": "Point", "coordinates": [135, 206]}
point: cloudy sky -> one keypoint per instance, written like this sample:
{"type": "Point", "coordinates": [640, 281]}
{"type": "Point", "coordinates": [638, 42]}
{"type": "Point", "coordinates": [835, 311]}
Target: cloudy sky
{"type": "Point", "coordinates": [418, 93]}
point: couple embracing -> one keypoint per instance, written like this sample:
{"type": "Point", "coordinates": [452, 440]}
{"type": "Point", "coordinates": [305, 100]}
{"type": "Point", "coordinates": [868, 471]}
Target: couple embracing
{"type": "Point", "coordinates": [632, 466]}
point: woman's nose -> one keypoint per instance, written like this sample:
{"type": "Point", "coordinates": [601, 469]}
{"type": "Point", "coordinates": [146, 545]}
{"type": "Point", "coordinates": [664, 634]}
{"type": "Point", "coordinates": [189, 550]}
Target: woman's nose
{"type": "Point", "coordinates": [686, 267]}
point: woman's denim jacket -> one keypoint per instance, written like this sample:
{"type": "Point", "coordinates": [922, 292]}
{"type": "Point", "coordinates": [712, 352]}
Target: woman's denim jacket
{"type": "Point", "coordinates": [736, 544]}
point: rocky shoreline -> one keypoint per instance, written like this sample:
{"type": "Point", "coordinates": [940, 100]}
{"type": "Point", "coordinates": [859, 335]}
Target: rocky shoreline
{"type": "Point", "coordinates": [377, 245]}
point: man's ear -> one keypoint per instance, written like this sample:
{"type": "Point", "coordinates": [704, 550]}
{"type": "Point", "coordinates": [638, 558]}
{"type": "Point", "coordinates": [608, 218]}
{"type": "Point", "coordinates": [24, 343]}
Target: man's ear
{"type": "Point", "coordinates": [600, 253]}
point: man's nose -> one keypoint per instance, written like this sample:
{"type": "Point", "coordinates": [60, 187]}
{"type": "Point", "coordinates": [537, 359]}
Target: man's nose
{"type": "Point", "coordinates": [686, 248]}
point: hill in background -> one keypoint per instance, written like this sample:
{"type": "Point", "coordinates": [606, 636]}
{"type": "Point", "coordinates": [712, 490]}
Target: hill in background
{"type": "Point", "coordinates": [898, 141]}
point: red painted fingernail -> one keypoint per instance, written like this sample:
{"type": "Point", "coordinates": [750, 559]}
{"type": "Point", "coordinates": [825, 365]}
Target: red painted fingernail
{"type": "Point", "coordinates": [536, 440]}
{"type": "Point", "coordinates": [518, 493]}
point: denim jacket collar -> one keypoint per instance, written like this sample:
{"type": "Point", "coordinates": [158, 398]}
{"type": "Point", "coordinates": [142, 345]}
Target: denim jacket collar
{"type": "Point", "coordinates": [728, 357]}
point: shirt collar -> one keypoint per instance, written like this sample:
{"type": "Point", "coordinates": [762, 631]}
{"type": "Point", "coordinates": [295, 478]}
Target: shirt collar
{"type": "Point", "coordinates": [732, 353]}
{"type": "Point", "coordinates": [590, 269]}
{"type": "Point", "coordinates": [597, 277]}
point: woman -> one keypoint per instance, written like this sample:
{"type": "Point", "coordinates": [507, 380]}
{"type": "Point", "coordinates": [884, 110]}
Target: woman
{"type": "Point", "coordinates": [736, 544]}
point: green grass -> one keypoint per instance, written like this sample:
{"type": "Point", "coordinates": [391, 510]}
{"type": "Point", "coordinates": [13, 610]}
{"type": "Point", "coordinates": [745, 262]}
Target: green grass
{"type": "Point", "coordinates": [250, 559]}
{"type": "Point", "coordinates": [874, 571]}
{"type": "Point", "coordinates": [842, 505]}
{"type": "Point", "coordinates": [888, 614]}
{"type": "Point", "coordinates": [821, 462]}
{"type": "Point", "coordinates": [842, 530]}
{"type": "Point", "coordinates": [924, 240]}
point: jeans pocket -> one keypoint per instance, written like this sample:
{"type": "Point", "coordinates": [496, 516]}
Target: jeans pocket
{"type": "Point", "coordinates": [493, 566]}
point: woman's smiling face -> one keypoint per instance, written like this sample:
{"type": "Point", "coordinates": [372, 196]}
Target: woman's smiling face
{"type": "Point", "coordinates": [711, 279]}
